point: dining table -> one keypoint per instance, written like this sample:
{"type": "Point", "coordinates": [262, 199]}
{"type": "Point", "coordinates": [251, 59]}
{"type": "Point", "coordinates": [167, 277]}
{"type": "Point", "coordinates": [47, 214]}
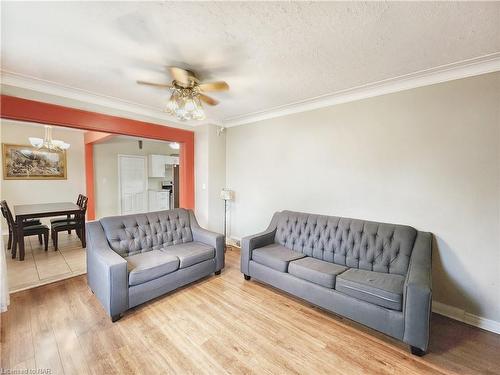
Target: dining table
{"type": "Point", "coordinates": [33, 211]}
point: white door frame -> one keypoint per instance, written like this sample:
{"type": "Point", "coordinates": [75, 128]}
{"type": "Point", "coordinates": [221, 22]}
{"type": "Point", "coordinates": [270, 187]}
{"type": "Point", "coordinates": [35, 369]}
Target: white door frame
{"type": "Point", "coordinates": [120, 179]}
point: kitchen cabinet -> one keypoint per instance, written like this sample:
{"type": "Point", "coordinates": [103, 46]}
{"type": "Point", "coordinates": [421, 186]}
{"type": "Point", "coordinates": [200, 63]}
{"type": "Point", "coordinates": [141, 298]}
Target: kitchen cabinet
{"type": "Point", "coordinates": [159, 200]}
{"type": "Point", "coordinates": [157, 164]}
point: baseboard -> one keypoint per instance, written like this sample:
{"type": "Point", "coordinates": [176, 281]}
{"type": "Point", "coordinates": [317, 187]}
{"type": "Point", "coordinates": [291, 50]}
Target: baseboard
{"type": "Point", "coordinates": [234, 241]}
{"type": "Point", "coordinates": [465, 317]}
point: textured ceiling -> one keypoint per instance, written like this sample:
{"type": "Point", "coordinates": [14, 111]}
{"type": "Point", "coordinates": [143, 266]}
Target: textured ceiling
{"type": "Point", "coordinates": [271, 54]}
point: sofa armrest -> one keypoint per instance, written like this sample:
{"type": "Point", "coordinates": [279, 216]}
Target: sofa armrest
{"type": "Point", "coordinates": [107, 273]}
{"type": "Point", "coordinates": [216, 240]}
{"type": "Point", "coordinates": [249, 243]}
{"type": "Point", "coordinates": [418, 293]}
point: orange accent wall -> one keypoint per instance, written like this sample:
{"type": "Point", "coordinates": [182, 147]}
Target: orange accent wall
{"type": "Point", "coordinates": [89, 180]}
{"type": "Point", "coordinates": [20, 109]}
{"type": "Point", "coordinates": [89, 138]}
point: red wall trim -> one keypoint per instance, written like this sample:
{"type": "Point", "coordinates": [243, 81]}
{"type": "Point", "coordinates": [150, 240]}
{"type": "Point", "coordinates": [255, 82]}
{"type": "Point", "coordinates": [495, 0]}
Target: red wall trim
{"type": "Point", "coordinates": [96, 137]}
{"type": "Point", "coordinates": [20, 109]}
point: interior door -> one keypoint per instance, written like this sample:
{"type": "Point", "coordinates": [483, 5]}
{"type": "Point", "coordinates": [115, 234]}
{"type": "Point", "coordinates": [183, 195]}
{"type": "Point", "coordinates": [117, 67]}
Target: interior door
{"type": "Point", "coordinates": [132, 181]}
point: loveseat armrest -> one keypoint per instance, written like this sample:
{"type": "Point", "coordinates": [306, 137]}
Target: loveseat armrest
{"type": "Point", "coordinates": [107, 273]}
{"type": "Point", "coordinates": [250, 243]}
{"type": "Point", "coordinates": [418, 293]}
{"type": "Point", "coordinates": [216, 240]}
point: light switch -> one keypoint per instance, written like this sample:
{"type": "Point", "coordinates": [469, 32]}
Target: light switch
{"type": "Point", "coordinates": [204, 186]}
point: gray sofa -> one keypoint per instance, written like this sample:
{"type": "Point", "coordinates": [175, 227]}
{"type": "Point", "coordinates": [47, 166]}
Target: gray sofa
{"type": "Point", "coordinates": [377, 274]}
{"type": "Point", "coordinates": [134, 258]}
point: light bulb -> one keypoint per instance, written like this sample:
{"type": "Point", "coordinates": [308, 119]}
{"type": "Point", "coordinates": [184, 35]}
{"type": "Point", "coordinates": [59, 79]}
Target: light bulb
{"type": "Point", "coordinates": [172, 105]}
{"type": "Point", "coordinates": [36, 142]}
{"type": "Point", "coordinates": [60, 144]}
{"type": "Point", "coordinates": [181, 113]}
{"type": "Point", "coordinates": [199, 114]}
{"type": "Point", "coordinates": [190, 105]}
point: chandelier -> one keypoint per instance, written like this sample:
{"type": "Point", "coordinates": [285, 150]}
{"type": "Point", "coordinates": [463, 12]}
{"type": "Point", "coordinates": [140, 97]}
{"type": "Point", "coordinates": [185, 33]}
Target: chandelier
{"type": "Point", "coordinates": [47, 142]}
{"type": "Point", "coordinates": [185, 103]}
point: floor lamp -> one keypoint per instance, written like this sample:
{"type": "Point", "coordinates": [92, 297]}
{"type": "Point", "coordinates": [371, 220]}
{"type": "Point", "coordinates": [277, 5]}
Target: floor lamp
{"type": "Point", "coordinates": [226, 195]}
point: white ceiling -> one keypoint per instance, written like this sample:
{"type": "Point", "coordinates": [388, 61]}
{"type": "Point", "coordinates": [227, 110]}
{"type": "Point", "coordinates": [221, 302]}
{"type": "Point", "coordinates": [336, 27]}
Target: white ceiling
{"type": "Point", "coordinates": [271, 54]}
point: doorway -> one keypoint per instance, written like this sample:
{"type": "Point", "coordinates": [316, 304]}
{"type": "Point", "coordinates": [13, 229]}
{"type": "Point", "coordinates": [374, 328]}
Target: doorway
{"type": "Point", "coordinates": [134, 175]}
{"type": "Point", "coordinates": [132, 184]}
{"type": "Point", "coordinates": [15, 108]}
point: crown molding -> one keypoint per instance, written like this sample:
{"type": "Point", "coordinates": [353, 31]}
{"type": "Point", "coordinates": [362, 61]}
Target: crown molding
{"type": "Point", "coordinates": [68, 92]}
{"type": "Point", "coordinates": [463, 69]}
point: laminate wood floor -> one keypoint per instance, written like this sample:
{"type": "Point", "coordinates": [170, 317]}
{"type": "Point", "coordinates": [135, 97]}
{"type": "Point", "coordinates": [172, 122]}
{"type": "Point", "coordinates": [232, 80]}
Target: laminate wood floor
{"type": "Point", "coordinates": [221, 324]}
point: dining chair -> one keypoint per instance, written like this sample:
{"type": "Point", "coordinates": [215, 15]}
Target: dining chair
{"type": "Point", "coordinates": [68, 217]}
{"type": "Point", "coordinates": [67, 225]}
{"type": "Point", "coordinates": [26, 223]}
{"type": "Point", "coordinates": [28, 230]}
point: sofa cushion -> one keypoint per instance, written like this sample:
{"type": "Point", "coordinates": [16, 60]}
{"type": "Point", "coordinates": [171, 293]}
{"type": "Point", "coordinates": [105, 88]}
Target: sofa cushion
{"type": "Point", "coordinates": [275, 256]}
{"type": "Point", "coordinates": [381, 289]}
{"type": "Point", "coordinates": [316, 271]}
{"type": "Point", "coordinates": [190, 253]}
{"type": "Point", "coordinates": [367, 245]}
{"type": "Point", "coordinates": [150, 265]}
{"type": "Point", "coordinates": [132, 234]}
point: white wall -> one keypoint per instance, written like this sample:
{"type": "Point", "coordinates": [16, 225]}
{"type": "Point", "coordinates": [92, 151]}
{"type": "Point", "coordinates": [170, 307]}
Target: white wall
{"type": "Point", "coordinates": [45, 191]}
{"type": "Point", "coordinates": [201, 174]}
{"type": "Point", "coordinates": [106, 169]}
{"type": "Point", "coordinates": [427, 157]}
{"type": "Point", "coordinates": [1, 158]}
{"type": "Point", "coordinates": [210, 176]}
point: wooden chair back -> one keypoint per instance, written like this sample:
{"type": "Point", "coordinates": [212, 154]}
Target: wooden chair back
{"type": "Point", "coordinates": [83, 207]}
{"type": "Point", "coordinates": [7, 213]}
{"type": "Point", "coordinates": [79, 200]}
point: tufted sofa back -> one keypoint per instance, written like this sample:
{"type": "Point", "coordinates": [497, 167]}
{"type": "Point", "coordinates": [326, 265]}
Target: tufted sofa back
{"type": "Point", "coordinates": [138, 233]}
{"type": "Point", "coordinates": [353, 243]}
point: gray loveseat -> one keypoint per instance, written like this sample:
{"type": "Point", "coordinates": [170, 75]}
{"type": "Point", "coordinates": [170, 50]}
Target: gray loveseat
{"type": "Point", "coordinates": [134, 258]}
{"type": "Point", "coordinates": [377, 274]}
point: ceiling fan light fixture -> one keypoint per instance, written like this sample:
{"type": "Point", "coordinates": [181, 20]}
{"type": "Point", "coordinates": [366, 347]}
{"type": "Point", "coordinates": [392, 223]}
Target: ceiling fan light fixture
{"type": "Point", "coordinates": [172, 106]}
{"type": "Point", "coordinates": [199, 114]}
{"type": "Point", "coordinates": [189, 105]}
{"type": "Point", "coordinates": [187, 94]}
{"type": "Point", "coordinates": [185, 104]}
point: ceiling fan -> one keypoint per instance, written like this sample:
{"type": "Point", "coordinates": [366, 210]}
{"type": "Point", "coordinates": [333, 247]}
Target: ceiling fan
{"type": "Point", "coordinates": [188, 93]}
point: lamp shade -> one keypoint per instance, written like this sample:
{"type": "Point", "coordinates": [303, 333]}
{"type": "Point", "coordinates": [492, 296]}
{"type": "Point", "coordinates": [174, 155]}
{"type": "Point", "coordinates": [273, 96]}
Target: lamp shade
{"type": "Point", "coordinates": [227, 195]}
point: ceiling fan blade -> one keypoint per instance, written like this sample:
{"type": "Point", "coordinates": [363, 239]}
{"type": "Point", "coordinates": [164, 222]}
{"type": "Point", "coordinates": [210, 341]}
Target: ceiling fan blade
{"type": "Point", "coordinates": [214, 86]}
{"type": "Point", "coordinates": [180, 75]}
{"type": "Point", "coordinates": [155, 84]}
{"type": "Point", "coordinates": [208, 99]}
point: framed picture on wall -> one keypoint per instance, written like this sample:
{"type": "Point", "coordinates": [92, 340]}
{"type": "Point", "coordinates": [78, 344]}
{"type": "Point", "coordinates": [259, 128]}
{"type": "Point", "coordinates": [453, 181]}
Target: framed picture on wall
{"type": "Point", "coordinates": [30, 163]}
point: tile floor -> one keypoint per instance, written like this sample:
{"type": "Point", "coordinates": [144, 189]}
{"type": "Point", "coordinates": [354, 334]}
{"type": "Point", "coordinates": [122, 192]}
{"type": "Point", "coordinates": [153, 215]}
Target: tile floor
{"type": "Point", "coordinates": [40, 267]}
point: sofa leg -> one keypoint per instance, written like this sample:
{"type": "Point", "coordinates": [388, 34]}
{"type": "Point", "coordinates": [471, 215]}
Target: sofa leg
{"type": "Point", "coordinates": [116, 317]}
{"type": "Point", "coordinates": [247, 277]}
{"type": "Point", "coordinates": [417, 351]}
{"type": "Point", "coordinates": [218, 272]}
